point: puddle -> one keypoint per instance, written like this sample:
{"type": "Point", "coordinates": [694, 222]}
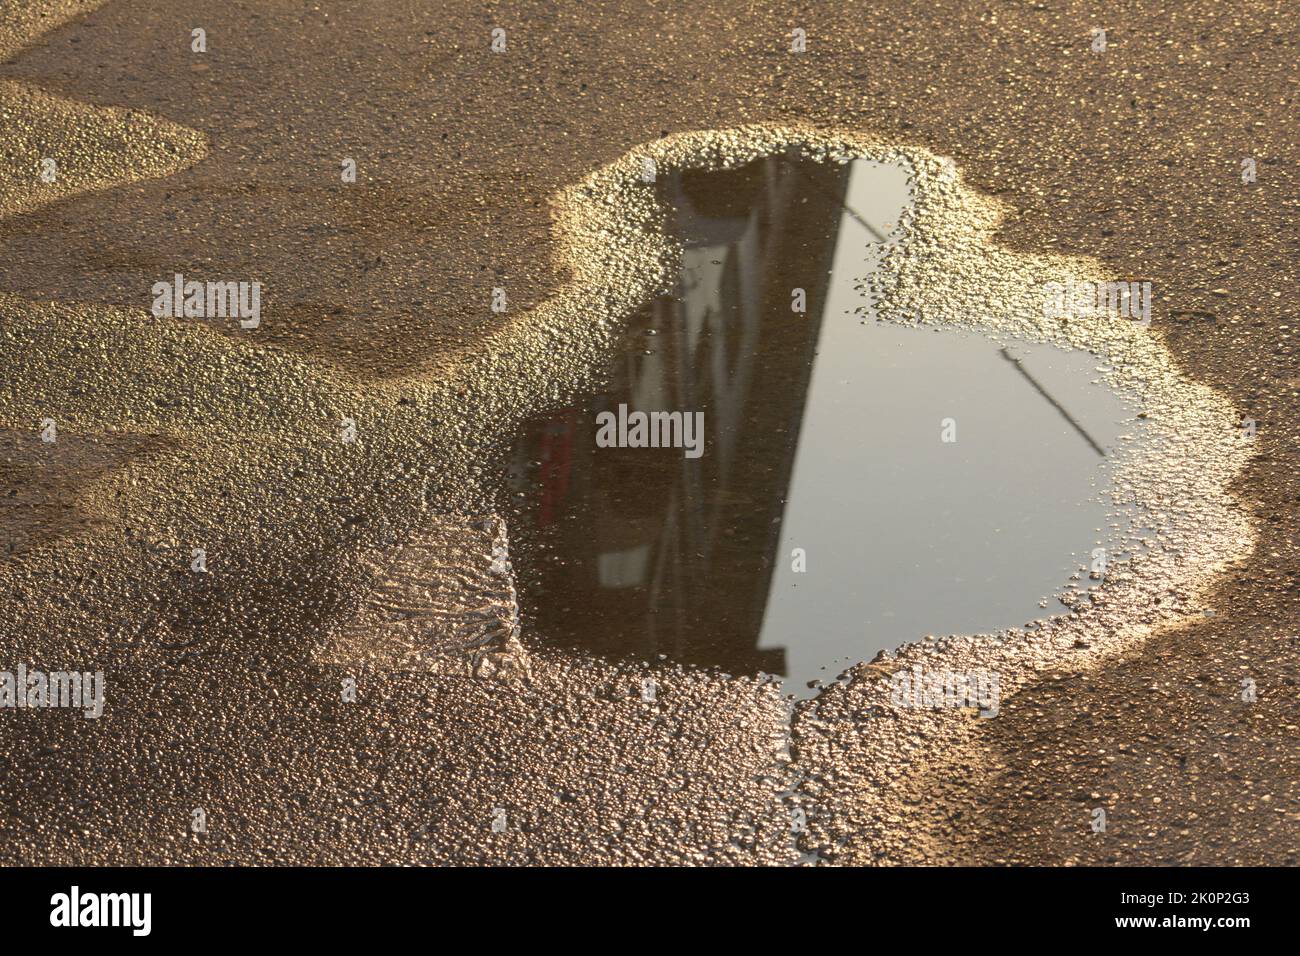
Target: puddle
{"type": "Point", "coordinates": [824, 431]}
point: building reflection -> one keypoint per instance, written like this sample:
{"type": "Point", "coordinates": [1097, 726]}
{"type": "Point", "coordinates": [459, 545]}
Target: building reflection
{"type": "Point", "coordinates": [635, 552]}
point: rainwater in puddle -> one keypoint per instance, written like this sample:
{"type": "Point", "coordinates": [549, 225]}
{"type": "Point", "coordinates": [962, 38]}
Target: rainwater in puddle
{"type": "Point", "coordinates": [825, 517]}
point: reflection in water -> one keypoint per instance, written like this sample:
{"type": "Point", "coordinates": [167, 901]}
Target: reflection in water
{"type": "Point", "coordinates": [822, 449]}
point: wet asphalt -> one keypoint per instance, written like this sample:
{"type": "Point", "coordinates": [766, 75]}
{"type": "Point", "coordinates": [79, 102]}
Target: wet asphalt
{"type": "Point", "coordinates": [218, 701]}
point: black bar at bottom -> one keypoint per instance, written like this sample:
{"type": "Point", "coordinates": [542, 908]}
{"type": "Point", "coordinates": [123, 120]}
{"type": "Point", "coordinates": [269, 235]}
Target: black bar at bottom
{"type": "Point", "coordinates": [333, 906]}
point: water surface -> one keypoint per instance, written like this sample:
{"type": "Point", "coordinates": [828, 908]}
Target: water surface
{"type": "Point", "coordinates": [827, 517]}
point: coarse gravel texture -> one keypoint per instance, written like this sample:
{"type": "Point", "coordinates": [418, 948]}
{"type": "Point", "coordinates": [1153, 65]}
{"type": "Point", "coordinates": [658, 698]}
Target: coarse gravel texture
{"type": "Point", "coordinates": [225, 164]}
